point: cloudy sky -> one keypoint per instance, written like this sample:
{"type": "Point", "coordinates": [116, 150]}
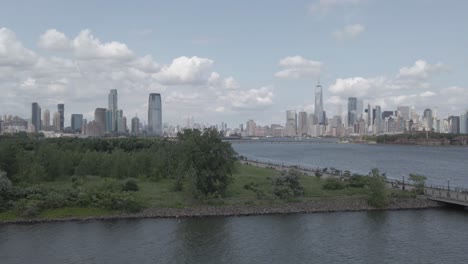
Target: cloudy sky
{"type": "Point", "coordinates": [232, 60]}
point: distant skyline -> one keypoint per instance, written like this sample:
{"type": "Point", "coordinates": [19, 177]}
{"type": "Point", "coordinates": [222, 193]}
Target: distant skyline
{"type": "Point", "coordinates": [232, 61]}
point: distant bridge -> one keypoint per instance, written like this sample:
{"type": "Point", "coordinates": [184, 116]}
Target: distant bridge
{"type": "Point", "coordinates": [449, 196]}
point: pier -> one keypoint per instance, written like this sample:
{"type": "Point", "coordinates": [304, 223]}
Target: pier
{"type": "Point", "coordinates": [450, 196]}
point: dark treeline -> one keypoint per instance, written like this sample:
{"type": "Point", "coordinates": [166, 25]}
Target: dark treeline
{"type": "Point", "coordinates": [415, 136]}
{"type": "Point", "coordinates": [198, 162]}
{"type": "Point", "coordinates": [37, 160]}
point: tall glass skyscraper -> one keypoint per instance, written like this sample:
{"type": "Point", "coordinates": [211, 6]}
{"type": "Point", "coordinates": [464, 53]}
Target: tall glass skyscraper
{"type": "Point", "coordinates": [76, 122]}
{"type": "Point", "coordinates": [61, 111]}
{"type": "Point", "coordinates": [154, 115]}
{"type": "Point", "coordinates": [113, 106]}
{"type": "Point", "coordinates": [352, 111]}
{"type": "Point", "coordinates": [36, 116]}
{"type": "Point", "coordinates": [319, 104]}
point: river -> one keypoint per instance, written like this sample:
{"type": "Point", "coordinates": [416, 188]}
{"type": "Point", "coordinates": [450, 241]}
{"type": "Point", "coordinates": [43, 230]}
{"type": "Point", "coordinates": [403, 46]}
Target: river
{"type": "Point", "coordinates": [441, 165]}
{"type": "Point", "coordinates": [419, 236]}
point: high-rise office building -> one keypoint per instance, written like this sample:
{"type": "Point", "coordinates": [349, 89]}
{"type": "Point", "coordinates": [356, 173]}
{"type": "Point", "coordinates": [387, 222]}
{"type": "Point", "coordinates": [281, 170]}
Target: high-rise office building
{"type": "Point", "coordinates": [154, 115]}
{"type": "Point", "coordinates": [122, 124]}
{"type": "Point", "coordinates": [319, 104]}
{"type": "Point", "coordinates": [370, 118]}
{"type": "Point", "coordinates": [46, 120]}
{"type": "Point", "coordinates": [302, 124]}
{"type": "Point", "coordinates": [427, 119]}
{"type": "Point", "coordinates": [291, 123]}
{"type": "Point", "coordinates": [36, 117]}
{"type": "Point", "coordinates": [135, 125]}
{"type": "Point", "coordinates": [113, 108]}
{"type": "Point", "coordinates": [251, 126]}
{"type": "Point", "coordinates": [76, 122]}
{"type": "Point", "coordinates": [61, 111]}
{"type": "Point", "coordinates": [99, 121]}
{"type": "Point", "coordinates": [108, 124]}
{"type": "Point", "coordinates": [56, 122]}
{"type": "Point", "coordinates": [352, 111]}
{"type": "Point", "coordinates": [378, 119]}
{"type": "Point", "coordinates": [454, 124]}
{"type": "Point", "coordinates": [464, 123]}
{"type": "Point", "coordinates": [404, 112]}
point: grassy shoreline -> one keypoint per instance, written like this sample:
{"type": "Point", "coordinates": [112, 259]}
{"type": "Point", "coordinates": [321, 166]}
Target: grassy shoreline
{"type": "Point", "coordinates": [160, 200]}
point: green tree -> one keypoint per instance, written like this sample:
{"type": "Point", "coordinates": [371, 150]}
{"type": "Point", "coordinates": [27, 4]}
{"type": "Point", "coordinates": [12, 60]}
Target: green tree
{"type": "Point", "coordinates": [5, 190]}
{"type": "Point", "coordinates": [288, 185]}
{"type": "Point", "coordinates": [211, 160]}
{"type": "Point", "coordinates": [419, 182]}
{"type": "Point", "coordinates": [377, 196]}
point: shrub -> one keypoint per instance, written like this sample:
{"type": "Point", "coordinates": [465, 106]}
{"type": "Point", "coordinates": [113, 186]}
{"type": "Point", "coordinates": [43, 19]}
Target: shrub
{"type": "Point", "coordinates": [27, 208]}
{"type": "Point", "coordinates": [419, 183]}
{"type": "Point", "coordinates": [288, 185]}
{"type": "Point", "coordinates": [377, 193]}
{"type": "Point", "coordinates": [130, 186]}
{"type": "Point", "coordinates": [333, 184]}
{"type": "Point", "coordinates": [358, 181]}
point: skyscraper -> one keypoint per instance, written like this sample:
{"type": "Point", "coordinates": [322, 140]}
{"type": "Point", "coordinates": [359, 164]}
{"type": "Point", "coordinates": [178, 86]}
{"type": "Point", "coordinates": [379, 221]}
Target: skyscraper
{"type": "Point", "coordinates": [352, 111]}
{"type": "Point", "coordinates": [454, 124]}
{"type": "Point", "coordinates": [76, 122]}
{"type": "Point", "coordinates": [464, 123]}
{"type": "Point", "coordinates": [46, 120]}
{"type": "Point", "coordinates": [155, 115]}
{"type": "Point", "coordinates": [100, 121]}
{"type": "Point", "coordinates": [61, 111]}
{"type": "Point", "coordinates": [428, 119]}
{"type": "Point", "coordinates": [36, 117]}
{"type": "Point", "coordinates": [56, 122]}
{"type": "Point", "coordinates": [113, 106]}
{"type": "Point", "coordinates": [404, 112]}
{"type": "Point", "coordinates": [319, 103]}
{"type": "Point", "coordinates": [251, 126]}
{"type": "Point", "coordinates": [378, 119]}
{"type": "Point", "coordinates": [135, 126]}
{"type": "Point", "coordinates": [302, 124]}
{"type": "Point", "coordinates": [291, 123]}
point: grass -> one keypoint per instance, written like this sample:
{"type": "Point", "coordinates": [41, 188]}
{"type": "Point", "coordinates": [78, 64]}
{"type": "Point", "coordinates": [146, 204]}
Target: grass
{"type": "Point", "coordinates": [161, 194]}
{"type": "Point", "coordinates": [74, 212]}
{"type": "Point", "coordinates": [7, 216]}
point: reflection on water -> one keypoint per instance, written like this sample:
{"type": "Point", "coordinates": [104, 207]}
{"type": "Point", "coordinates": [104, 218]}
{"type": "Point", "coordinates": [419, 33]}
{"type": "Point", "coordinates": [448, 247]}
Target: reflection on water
{"type": "Point", "coordinates": [420, 236]}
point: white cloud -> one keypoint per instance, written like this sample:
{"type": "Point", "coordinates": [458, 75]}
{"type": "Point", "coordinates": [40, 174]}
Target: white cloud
{"type": "Point", "coordinates": [421, 70]}
{"type": "Point", "coordinates": [88, 47]}
{"type": "Point", "coordinates": [54, 40]}
{"type": "Point", "coordinates": [12, 52]}
{"type": "Point", "coordinates": [410, 90]}
{"type": "Point", "coordinates": [184, 70]}
{"type": "Point", "coordinates": [247, 99]}
{"type": "Point", "coordinates": [349, 31]}
{"type": "Point", "coordinates": [427, 94]}
{"type": "Point", "coordinates": [185, 98]}
{"type": "Point", "coordinates": [298, 67]}
{"type": "Point", "coordinates": [216, 82]}
{"type": "Point", "coordinates": [324, 6]}
{"type": "Point", "coordinates": [80, 75]}
{"type": "Point", "coordinates": [357, 86]}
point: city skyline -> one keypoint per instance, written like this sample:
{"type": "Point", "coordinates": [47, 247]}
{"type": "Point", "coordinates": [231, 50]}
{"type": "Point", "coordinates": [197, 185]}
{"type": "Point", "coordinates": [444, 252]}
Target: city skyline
{"type": "Point", "coordinates": [362, 52]}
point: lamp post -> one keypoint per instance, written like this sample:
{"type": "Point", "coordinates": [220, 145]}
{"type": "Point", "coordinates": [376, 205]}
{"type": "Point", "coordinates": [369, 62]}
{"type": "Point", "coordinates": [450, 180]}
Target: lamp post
{"type": "Point", "coordinates": [448, 187]}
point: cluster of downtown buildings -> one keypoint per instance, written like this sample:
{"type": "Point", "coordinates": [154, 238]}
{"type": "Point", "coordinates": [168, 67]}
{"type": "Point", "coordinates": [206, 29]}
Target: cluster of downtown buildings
{"type": "Point", "coordinates": [358, 120]}
{"type": "Point", "coordinates": [107, 121]}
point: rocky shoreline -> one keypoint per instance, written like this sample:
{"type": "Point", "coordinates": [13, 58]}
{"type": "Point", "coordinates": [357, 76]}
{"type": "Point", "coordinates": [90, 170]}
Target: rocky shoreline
{"type": "Point", "coordinates": [316, 206]}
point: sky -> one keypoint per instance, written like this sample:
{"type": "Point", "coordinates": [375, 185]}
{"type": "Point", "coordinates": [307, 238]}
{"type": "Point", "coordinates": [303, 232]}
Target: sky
{"type": "Point", "coordinates": [231, 61]}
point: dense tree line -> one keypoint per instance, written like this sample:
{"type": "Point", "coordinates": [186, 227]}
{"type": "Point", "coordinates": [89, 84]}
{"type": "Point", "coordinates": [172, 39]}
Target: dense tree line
{"type": "Point", "coordinates": [199, 161]}
{"type": "Point", "coordinates": [414, 136]}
